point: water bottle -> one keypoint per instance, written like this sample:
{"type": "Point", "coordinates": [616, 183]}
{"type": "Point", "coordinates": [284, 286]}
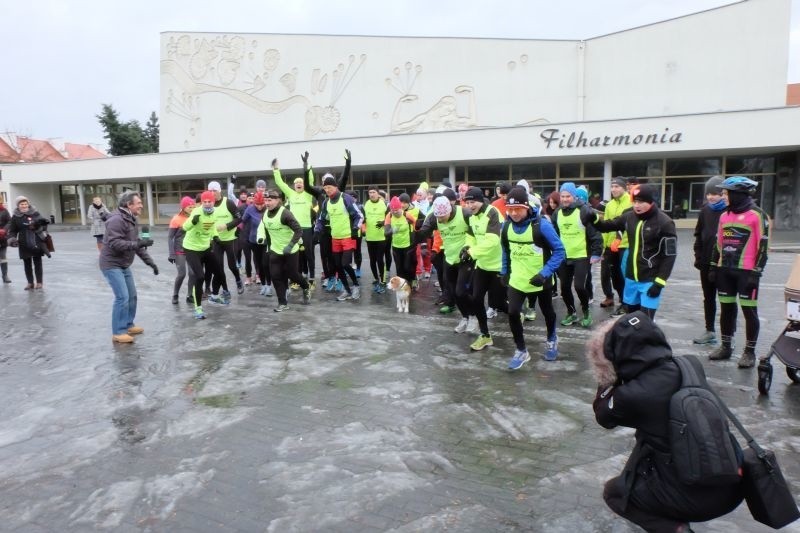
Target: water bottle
{"type": "Point", "coordinates": [145, 232]}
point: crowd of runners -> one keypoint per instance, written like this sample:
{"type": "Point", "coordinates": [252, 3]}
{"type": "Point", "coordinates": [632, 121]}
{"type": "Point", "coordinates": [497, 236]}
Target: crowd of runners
{"type": "Point", "coordinates": [508, 254]}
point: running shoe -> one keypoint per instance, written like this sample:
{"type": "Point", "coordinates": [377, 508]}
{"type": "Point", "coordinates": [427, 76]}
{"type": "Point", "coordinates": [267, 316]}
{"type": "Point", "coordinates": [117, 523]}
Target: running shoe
{"type": "Point", "coordinates": [358, 272]}
{"type": "Point", "coordinates": [520, 358]}
{"type": "Point", "coordinates": [247, 281]}
{"type": "Point", "coordinates": [307, 296]}
{"type": "Point", "coordinates": [481, 342]}
{"type": "Point", "coordinates": [226, 295]}
{"type": "Point", "coordinates": [330, 284]}
{"type": "Point", "coordinates": [381, 288]}
{"type": "Point", "coordinates": [312, 284]}
{"type": "Point", "coordinates": [462, 326]}
{"type": "Point", "coordinates": [709, 337]}
{"type": "Point", "coordinates": [268, 292]}
{"type": "Point", "coordinates": [447, 309]}
{"type": "Point", "coordinates": [530, 315]}
{"type": "Point", "coordinates": [281, 308]}
{"type": "Point", "coordinates": [427, 275]}
{"type": "Point", "coordinates": [569, 320]}
{"type": "Point", "coordinates": [608, 302]}
{"type": "Point", "coordinates": [199, 314]}
{"type": "Point", "coordinates": [491, 312]}
{"type": "Point", "coordinates": [551, 350]}
{"type": "Point", "coordinates": [472, 325]}
{"type": "Point", "coordinates": [586, 321]}
{"type": "Point", "coordinates": [436, 284]}
{"type": "Point", "coordinates": [415, 285]}
{"type": "Point", "coordinates": [343, 296]}
{"type": "Point", "coordinates": [263, 291]}
{"type": "Point", "coordinates": [217, 299]}
{"type": "Point", "coordinates": [294, 286]}
{"type": "Point", "coordinates": [189, 300]}
{"type": "Point", "coordinates": [356, 292]}
{"type": "Point", "coordinates": [239, 286]}
{"type": "Point", "coordinates": [339, 286]}
{"type": "Point", "coordinates": [375, 285]}
{"type": "Point", "coordinates": [619, 311]}
{"type": "Point", "coordinates": [439, 301]}
{"type": "Point", "coordinates": [175, 299]}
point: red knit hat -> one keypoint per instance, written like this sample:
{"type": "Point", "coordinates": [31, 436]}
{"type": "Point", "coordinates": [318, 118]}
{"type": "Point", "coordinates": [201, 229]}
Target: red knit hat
{"type": "Point", "coordinates": [186, 201]}
{"type": "Point", "coordinates": [394, 204]}
{"type": "Point", "coordinates": [207, 196]}
{"type": "Point", "coordinates": [258, 199]}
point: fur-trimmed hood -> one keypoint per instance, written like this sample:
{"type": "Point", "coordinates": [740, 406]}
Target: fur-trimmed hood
{"type": "Point", "coordinates": [620, 350]}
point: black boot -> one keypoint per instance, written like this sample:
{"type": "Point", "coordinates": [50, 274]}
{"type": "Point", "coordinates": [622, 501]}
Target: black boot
{"type": "Point", "coordinates": [748, 358]}
{"type": "Point", "coordinates": [4, 270]}
{"type": "Point", "coordinates": [724, 351]}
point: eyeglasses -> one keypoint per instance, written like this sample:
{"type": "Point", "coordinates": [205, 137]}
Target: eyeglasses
{"type": "Point", "coordinates": [271, 197]}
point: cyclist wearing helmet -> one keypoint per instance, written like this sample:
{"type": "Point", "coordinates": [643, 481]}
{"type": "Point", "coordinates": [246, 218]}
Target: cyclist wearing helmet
{"type": "Point", "coordinates": [737, 262]}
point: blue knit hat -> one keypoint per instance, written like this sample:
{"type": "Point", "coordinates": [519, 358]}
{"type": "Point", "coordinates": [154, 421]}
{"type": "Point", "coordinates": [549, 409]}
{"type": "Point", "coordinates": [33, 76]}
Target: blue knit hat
{"type": "Point", "coordinates": [583, 194]}
{"type": "Point", "coordinates": [570, 188]}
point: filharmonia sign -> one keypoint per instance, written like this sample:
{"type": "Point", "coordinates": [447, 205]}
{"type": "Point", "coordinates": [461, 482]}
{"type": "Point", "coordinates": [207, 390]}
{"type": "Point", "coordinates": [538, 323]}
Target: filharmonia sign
{"type": "Point", "coordinates": [555, 138]}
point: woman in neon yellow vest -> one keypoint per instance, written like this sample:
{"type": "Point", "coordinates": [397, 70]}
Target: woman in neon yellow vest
{"type": "Point", "coordinates": [400, 225]}
{"type": "Point", "coordinates": [375, 210]}
{"type": "Point", "coordinates": [201, 230]}
{"type": "Point", "coordinates": [227, 217]}
{"type": "Point", "coordinates": [301, 204]}
{"type": "Point", "coordinates": [281, 232]}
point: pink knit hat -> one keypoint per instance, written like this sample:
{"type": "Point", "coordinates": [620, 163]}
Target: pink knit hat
{"type": "Point", "coordinates": [394, 204]}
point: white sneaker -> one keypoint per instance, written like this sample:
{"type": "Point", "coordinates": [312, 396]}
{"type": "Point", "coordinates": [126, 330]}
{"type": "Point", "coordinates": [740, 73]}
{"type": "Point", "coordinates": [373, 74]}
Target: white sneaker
{"type": "Point", "coordinates": [472, 326]}
{"type": "Point", "coordinates": [462, 326]}
{"type": "Point", "coordinates": [356, 292]}
{"type": "Point", "coordinates": [491, 313]}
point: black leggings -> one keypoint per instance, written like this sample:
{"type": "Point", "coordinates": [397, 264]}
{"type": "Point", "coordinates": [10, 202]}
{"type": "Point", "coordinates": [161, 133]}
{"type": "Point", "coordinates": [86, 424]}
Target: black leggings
{"type": "Point", "coordinates": [574, 272]}
{"type": "Point", "coordinates": [283, 268]}
{"type": "Point", "coordinates": [226, 249]}
{"type": "Point", "coordinates": [357, 253]}
{"type": "Point", "coordinates": [727, 323]}
{"type": "Point", "coordinates": [437, 260]}
{"type": "Point", "coordinates": [482, 282]}
{"type": "Point", "coordinates": [376, 251]}
{"type": "Point", "coordinates": [455, 291]}
{"type": "Point", "coordinates": [200, 263]}
{"type": "Point", "coordinates": [405, 263]}
{"type": "Point", "coordinates": [611, 271]}
{"type": "Point", "coordinates": [326, 253]}
{"type": "Point", "coordinates": [243, 246]}
{"type": "Point", "coordinates": [31, 265]}
{"type": "Point", "coordinates": [307, 258]}
{"type": "Point", "coordinates": [261, 263]}
{"type": "Point", "coordinates": [388, 256]}
{"type": "Point", "coordinates": [516, 299]}
{"type": "Point", "coordinates": [341, 264]}
{"type": "Point", "coordinates": [710, 300]}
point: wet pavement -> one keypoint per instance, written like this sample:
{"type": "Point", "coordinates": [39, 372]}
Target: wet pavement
{"type": "Point", "coordinates": [329, 417]}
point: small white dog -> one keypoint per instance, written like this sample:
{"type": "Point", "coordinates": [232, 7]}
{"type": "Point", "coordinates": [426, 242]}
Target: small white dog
{"type": "Point", "coordinates": [402, 291]}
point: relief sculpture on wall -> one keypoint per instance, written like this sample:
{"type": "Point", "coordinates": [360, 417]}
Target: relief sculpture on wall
{"type": "Point", "coordinates": [443, 115]}
{"type": "Point", "coordinates": [228, 65]}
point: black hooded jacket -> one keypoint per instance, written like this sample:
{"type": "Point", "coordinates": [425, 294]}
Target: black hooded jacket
{"type": "Point", "coordinates": [646, 379]}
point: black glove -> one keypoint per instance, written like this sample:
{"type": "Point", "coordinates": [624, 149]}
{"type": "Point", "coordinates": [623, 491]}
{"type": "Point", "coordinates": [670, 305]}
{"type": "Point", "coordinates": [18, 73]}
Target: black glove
{"type": "Point", "coordinates": [655, 290]}
{"type": "Point", "coordinates": [380, 224]}
{"type": "Point", "coordinates": [287, 250]}
{"type": "Point", "coordinates": [304, 157]}
{"type": "Point", "coordinates": [274, 163]}
{"type": "Point", "coordinates": [155, 269]}
{"type": "Point", "coordinates": [196, 219]}
{"type": "Point", "coordinates": [215, 239]}
{"type": "Point", "coordinates": [233, 178]}
{"type": "Point", "coordinates": [354, 234]}
{"type": "Point", "coordinates": [712, 274]}
{"type": "Point", "coordinates": [537, 280]}
{"type": "Point", "coordinates": [504, 280]}
{"type": "Point", "coordinates": [698, 264]}
{"type": "Point", "coordinates": [144, 243]}
{"type": "Point", "coordinates": [346, 154]}
{"type": "Point", "coordinates": [752, 281]}
{"type": "Point", "coordinates": [171, 260]}
{"type": "Point", "coordinates": [260, 241]}
{"type": "Point", "coordinates": [464, 256]}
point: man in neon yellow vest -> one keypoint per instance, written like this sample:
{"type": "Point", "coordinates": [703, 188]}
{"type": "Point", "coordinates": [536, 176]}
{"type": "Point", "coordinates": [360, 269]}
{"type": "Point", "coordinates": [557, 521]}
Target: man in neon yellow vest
{"type": "Point", "coordinates": [532, 252]}
{"type": "Point", "coordinates": [301, 204]}
{"type": "Point", "coordinates": [225, 213]}
{"type": "Point", "coordinates": [615, 244]}
{"type": "Point", "coordinates": [281, 232]}
{"type": "Point", "coordinates": [483, 246]}
{"type": "Point", "coordinates": [344, 219]}
{"type": "Point", "coordinates": [201, 233]}
{"type": "Point", "coordinates": [584, 246]}
{"type": "Point", "coordinates": [375, 210]}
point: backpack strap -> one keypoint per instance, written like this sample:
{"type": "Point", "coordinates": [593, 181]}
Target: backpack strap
{"type": "Point", "coordinates": [692, 373]}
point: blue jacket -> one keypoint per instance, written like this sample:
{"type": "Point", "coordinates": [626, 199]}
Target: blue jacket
{"type": "Point", "coordinates": [250, 220]}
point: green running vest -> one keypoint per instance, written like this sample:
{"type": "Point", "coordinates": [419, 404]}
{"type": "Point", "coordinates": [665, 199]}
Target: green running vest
{"type": "Point", "coordinates": [223, 216]}
{"type": "Point", "coordinates": [527, 259]}
{"type": "Point", "coordinates": [280, 235]}
{"type": "Point", "coordinates": [340, 219]}
{"type": "Point", "coordinates": [492, 260]}
{"type": "Point", "coordinates": [573, 234]}
{"type": "Point", "coordinates": [454, 236]}
{"type": "Point", "coordinates": [198, 236]}
{"type": "Point", "coordinates": [374, 212]}
{"type": "Point", "coordinates": [401, 231]}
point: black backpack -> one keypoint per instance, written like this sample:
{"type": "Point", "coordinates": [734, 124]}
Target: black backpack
{"type": "Point", "coordinates": [704, 451]}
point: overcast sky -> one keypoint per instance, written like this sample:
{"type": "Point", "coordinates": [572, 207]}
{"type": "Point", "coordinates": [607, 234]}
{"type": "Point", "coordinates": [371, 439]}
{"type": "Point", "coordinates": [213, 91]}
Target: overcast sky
{"type": "Point", "coordinates": [63, 59]}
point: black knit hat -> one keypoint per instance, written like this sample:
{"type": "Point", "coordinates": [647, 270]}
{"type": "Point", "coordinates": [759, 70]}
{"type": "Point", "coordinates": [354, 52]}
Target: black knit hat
{"type": "Point", "coordinates": [645, 193]}
{"type": "Point", "coordinates": [474, 193]}
{"type": "Point", "coordinates": [505, 187]}
{"type": "Point", "coordinates": [329, 180]}
{"type": "Point", "coordinates": [712, 185]}
{"type": "Point", "coordinates": [450, 194]}
{"type": "Point", "coordinates": [404, 198]}
{"type": "Point", "coordinates": [517, 196]}
{"type": "Point", "coordinates": [619, 180]}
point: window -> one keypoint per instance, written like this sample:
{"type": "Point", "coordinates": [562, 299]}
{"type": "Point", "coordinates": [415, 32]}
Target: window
{"type": "Point", "coordinates": [640, 169]}
{"type": "Point", "coordinates": [569, 171]}
{"type": "Point", "coordinates": [749, 165]}
{"type": "Point", "coordinates": [543, 171]}
{"type": "Point", "coordinates": [694, 167]}
{"type": "Point", "coordinates": [488, 174]}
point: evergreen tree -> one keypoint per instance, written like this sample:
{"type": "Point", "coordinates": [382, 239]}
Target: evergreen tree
{"type": "Point", "coordinates": [126, 138]}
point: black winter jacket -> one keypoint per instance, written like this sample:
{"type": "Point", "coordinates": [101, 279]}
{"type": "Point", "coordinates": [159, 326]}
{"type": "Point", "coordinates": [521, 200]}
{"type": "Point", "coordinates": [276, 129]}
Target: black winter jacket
{"type": "Point", "coordinates": [5, 218]}
{"type": "Point", "coordinates": [651, 243]}
{"type": "Point", "coordinates": [27, 228]}
{"type": "Point", "coordinates": [705, 236]}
